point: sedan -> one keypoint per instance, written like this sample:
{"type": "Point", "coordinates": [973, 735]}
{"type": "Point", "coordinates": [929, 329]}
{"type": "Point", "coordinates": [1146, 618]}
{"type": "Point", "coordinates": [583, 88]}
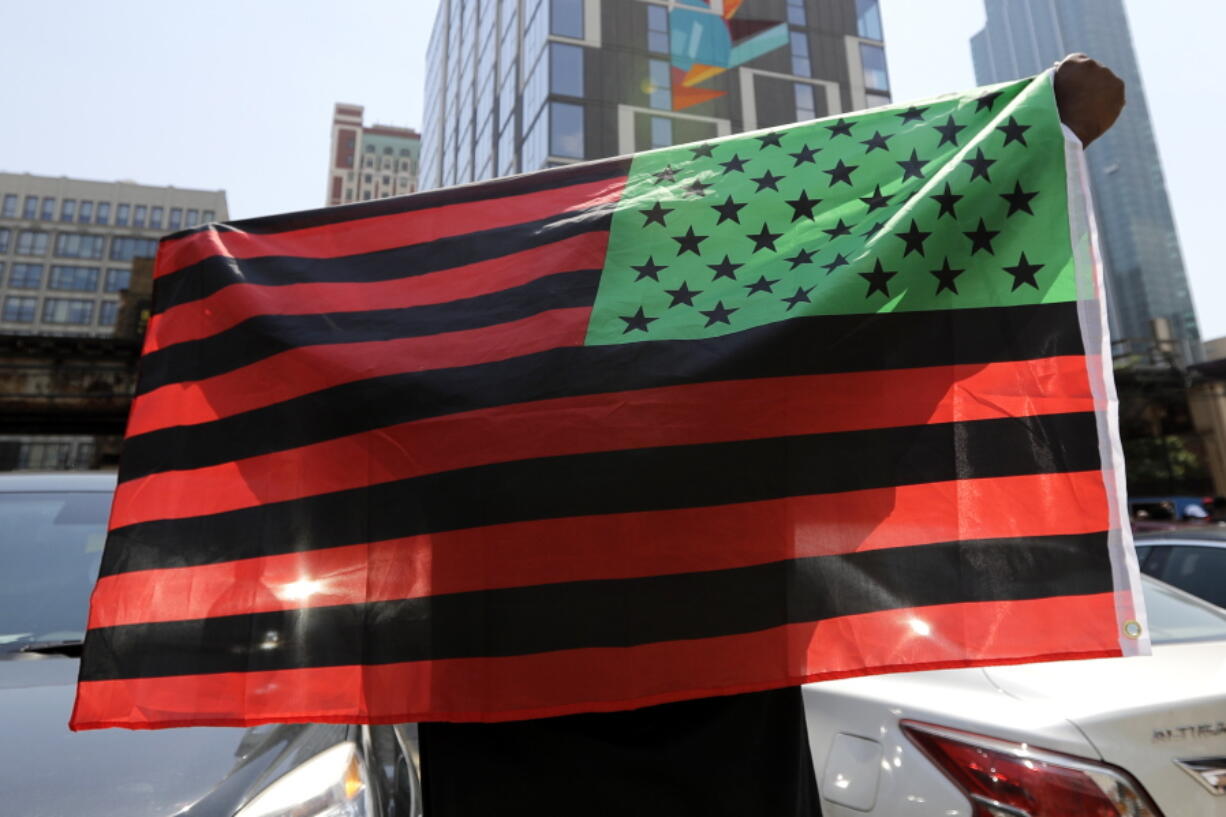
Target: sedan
{"type": "Point", "coordinates": [1192, 559]}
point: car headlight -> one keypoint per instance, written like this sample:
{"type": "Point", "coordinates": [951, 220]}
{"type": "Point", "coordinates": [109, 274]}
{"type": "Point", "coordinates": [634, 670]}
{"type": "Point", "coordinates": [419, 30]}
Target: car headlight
{"type": "Point", "coordinates": [331, 784]}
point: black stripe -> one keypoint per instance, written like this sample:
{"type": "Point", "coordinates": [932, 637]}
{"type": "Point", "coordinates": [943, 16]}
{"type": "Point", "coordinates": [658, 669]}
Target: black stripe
{"type": "Point", "coordinates": [537, 182]}
{"type": "Point", "coordinates": [608, 613]}
{"type": "Point", "coordinates": [267, 335]}
{"type": "Point", "coordinates": [215, 273]}
{"type": "Point", "coordinates": [646, 479]}
{"type": "Point", "coordinates": [801, 346]}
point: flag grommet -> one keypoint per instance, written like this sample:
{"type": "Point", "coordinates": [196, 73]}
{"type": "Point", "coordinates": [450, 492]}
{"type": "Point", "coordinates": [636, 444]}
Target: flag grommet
{"type": "Point", "coordinates": [1132, 629]}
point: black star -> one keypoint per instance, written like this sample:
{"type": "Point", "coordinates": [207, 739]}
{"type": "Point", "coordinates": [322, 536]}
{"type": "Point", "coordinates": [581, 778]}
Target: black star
{"type": "Point", "coordinates": [840, 128]}
{"type": "Point", "coordinates": [763, 284]}
{"type": "Point", "coordinates": [979, 165]}
{"type": "Point", "coordinates": [637, 321]}
{"type": "Point", "coordinates": [702, 150]}
{"type": "Point", "coordinates": [725, 269]}
{"type": "Point", "coordinates": [913, 167]}
{"type": "Point", "coordinates": [683, 295]}
{"type": "Point", "coordinates": [668, 174]}
{"type": "Point", "coordinates": [949, 132]}
{"type": "Point", "coordinates": [912, 114]}
{"type": "Point", "coordinates": [915, 238]}
{"type": "Point", "coordinates": [871, 231]}
{"type": "Point", "coordinates": [696, 188]}
{"type": "Point", "coordinates": [806, 154]}
{"type": "Point", "coordinates": [735, 163]}
{"type": "Point", "coordinates": [801, 257]}
{"type": "Point", "coordinates": [838, 230]}
{"type": "Point", "coordinates": [689, 242]}
{"type": "Point", "coordinates": [769, 140]}
{"type": "Point", "coordinates": [839, 261]}
{"type": "Point", "coordinates": [1014, 132]}
{"type": "Point", "coordinates": [764, 240]}
{"type": "Point", "coordinates": [981, 238]}
{"type": "Point", "coordinates": [801, 297]}
{"type": "Point", "coordinates": [656, 213]}
{"type": "Point", "coordinates": [841, 173]}
{"type": "Point", "coordinates": [649, 269]}
{"type": "Point", "coordinates": [1023, 273]}
{"type": "Point", "coordinates": [878, 280]}
{"type": "Point", "coordinates": [803, 206]}
{"type": "Point", "coordinates": [947, 200]}
{"type": "Point", "coordinates": [728, 211]}
{"type": "Point", "coordinates": [1019, 200]}
{"type": "Point", "coordinates": [877, 142]}
{"type": "Point", "coordinates": [718, 315]}
{"type": "Point", "coordinates": [876, 201]}
{"type": "Point", "coordinates": [766, 180]}
{"type": "Point", "coordinates": [945, 277]}
{"type": "Point", "coordinates": [987, 101]}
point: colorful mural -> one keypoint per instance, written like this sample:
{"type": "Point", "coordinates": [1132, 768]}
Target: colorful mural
{"type": "Point", "coordinates": [704, 44]}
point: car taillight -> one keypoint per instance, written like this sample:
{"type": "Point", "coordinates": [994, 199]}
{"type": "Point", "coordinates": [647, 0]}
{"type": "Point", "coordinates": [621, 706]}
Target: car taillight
{"type": "Point", "coordinates": [1006, 779]}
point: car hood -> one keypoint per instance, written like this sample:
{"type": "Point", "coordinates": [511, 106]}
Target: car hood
{"type": "Point", "coordinates": [48, 771]}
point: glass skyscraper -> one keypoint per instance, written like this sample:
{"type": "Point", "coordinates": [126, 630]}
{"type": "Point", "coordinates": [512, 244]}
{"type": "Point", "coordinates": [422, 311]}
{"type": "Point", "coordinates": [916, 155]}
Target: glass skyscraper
{"type": "Point", "coordinates": [518, 85]}
{"type": "Point", "coordinates": [1145, 273]}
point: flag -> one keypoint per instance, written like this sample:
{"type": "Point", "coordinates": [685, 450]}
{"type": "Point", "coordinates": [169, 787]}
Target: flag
{"type": "Point", "coordinates": [818, 401]}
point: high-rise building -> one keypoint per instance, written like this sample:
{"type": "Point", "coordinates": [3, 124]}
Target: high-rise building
{"type": "Point", "coordinates": [66, 246]}
{"type": "Point", "coordinates": [517, 85]}
{"type": "Point", "coordinates": [370, 162]}
{"type": "Point", "coordinates": [1144, 267]}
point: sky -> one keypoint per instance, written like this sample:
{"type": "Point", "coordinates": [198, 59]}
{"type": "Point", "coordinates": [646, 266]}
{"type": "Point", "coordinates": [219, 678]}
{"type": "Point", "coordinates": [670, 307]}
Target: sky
{"type": "Point", "coordinates": [238, 94]}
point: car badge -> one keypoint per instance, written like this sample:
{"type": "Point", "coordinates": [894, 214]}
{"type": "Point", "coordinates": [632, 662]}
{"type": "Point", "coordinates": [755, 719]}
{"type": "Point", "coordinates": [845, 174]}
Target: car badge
{"type": "Point", "coordinates": [1210, 772]}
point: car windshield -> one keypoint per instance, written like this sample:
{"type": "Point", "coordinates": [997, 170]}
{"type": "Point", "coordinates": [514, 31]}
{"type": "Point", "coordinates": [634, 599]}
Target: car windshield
{"type": "Point", "coordinates": [1176, 616]}
{"type": "Point", "coordinates": [51, 547]}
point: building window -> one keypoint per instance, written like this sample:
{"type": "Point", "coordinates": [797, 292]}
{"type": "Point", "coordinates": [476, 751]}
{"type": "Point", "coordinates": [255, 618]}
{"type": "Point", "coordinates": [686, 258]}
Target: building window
{"type": "Point", "coordinates": [124, 248]}
{"type": "Point", "coordinates": [26, 276]}
{"type": "Point", "coordinates": [117, 279]}
{"type": "Point", "coordinates": [176, 218]}
{"type": "Point", "coordinates": [4, 240]}
{"type": "Point", "coordinates": [108, 311]}
{"type": "Point", "coordinates": [20, 309]}
{"type": "Point", "coordinates": [566, 69]}
{"type": "Point", "coordinates": [79, 245]}
{"type": "Point", "coordinates": [657, 30]}
{"type": "Point", "coordinates": [208, 216]}
{"type": "Point", "coordinates": [68, 310]}
{"type": "Point", "coordinates": [805, 109]}
{"type": "Point", "coordinates": [661, 131]}
{"type": "Point", "coordinates": [76, 279]}
{"type": "Point", "coordinates": [876, 100]}
{"type": "Point", "coordinates": [138, 215]}
{"type": "Point", "coordinates": [32, 242]}
{"type": "Point", "coordinates": [796, 13]}
{"type": "Point", "coordinates": [104, 212]}
{"type": "Point", "coordinates": [193, 218]}
{"type": "Point", "coordinates": [122, 212]}
{"type": "Point", "coordinates": [1, 271]}
{"type": "Point", "coordinates": [387, 179]}
{"type": "Point", "coordinates": [86, 213]}
{"type": "Point", "coordinates": [48, 213]}
{"type": "Point", "coordinates": [566, 130]}
{"type": "Point", "coordinates": [868, 19]}
{"type": "Point", "coordinates": [155, 218]}
{"type": "Point", "coordinates": [873, 59]}
{"type": "Point", "coordinates": [30, 208]}
{"type": "Point", "coordinates": [800, 55]}
{"type": "Point", "coordinates": [566, 18]}
{"type": "Point", "coordinates": [68, 209]}
{"type": "Point", "coordinates": [661, 93]}
{"type": "Point", "coordinates": [370, 148]}
{"type": "Point", "coordinates": [10, 205]}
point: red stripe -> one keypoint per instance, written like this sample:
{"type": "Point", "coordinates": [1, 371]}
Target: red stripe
{"type": "Point", "coordinates": [611, 547]}
{"type": "Point", "coordinates": [385, 232]}
{"type": "Point", "coordinates": [306, 369]}
{"type": "Point", "coordinates": [679, 415]}
{"type": "Point", "coordinates": [239, 302]}
{"type": "Point", "coordinates": [606, 679]}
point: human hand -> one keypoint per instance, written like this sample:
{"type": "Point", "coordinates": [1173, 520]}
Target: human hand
{"type": "Point", "coordinates": [1089, 96]}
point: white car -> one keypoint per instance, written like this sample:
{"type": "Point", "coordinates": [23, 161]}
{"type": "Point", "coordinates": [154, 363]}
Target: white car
{"type": "Point", "coordinates": [1142, 737]}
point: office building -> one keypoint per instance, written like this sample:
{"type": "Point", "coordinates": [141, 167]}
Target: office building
{"type": "Point", "coordinates": [518, 85]}
{"type": "Point", "coordinates": [369, 162]}
{"type": "Point", "coordinates": [1145, 273]}
{"type": "Point", "coordinates": [66, 246]}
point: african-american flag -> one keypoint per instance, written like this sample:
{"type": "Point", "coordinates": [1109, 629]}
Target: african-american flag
{"type": "Point", "coordinates": [811, 402]}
